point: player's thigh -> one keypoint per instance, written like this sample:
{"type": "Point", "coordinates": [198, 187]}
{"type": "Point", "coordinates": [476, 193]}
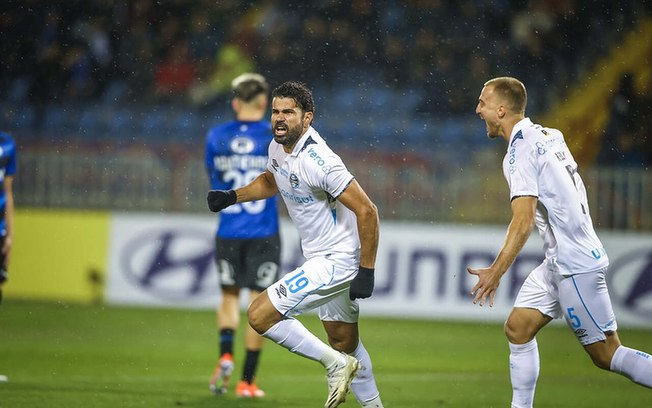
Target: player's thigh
{"type": "Point", "coordinates": [586, 306]}
{"type": "Point", "coordinates": [535, 306]}
{"type": "Point", "coordinates": [262, 262]}
{"type": "Point", "coordinates": [309, 286]}
{"type": "Point", "coordinates": [340, 308]}
{"type": "Point", "coordinates": [540, 292]}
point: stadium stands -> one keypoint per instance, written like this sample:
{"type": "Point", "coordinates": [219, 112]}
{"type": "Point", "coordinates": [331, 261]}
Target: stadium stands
{"type": "Point", "coordinates": [391, 79]}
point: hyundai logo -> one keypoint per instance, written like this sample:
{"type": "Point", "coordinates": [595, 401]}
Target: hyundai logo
{"type": "Point", "coordinates": [170, 264]}
{"type": "Point", "coordinates": [630, 282]}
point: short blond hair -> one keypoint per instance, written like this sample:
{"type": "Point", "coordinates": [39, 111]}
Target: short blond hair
{"type": "Point", "coordinates": [249, 85]}
{"type": "Point", "coordinates": [512, 91]}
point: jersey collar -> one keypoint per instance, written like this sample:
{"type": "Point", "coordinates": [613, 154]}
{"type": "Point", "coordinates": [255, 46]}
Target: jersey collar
{"type": "Point", "coordinates": [518, 127]}
{"type": "Point", "coordinates": [301, 143]}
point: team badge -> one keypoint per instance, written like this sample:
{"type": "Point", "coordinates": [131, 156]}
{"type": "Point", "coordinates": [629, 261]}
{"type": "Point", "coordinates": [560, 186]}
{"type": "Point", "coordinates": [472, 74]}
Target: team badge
{"type": "Point", "coordinates": [242, 145]}
{"type": "Point", "coordinates": [294, 180]}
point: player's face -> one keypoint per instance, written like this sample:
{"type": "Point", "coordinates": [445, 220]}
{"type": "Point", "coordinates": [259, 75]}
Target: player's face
{"type": "Point", "coordinates": [289, 122]}
{"type": "Point", "coordinates": [487, 109]}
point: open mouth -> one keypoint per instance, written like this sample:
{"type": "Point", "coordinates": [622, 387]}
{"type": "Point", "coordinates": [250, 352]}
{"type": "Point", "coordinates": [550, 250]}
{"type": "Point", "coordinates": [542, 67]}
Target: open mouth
{"type": "Point", "coordinates": [280, 129]}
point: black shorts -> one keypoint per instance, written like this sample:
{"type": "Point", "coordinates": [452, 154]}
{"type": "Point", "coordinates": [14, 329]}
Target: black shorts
{"type": "Point", "coordinates": [248, 263]}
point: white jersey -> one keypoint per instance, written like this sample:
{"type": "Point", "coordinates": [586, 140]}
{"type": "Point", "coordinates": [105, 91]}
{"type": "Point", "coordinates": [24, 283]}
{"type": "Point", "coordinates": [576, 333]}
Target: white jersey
{"type": "Point", "coordinates": [539, 164]}
{"type": "Point", "coordinates": [310, 179]}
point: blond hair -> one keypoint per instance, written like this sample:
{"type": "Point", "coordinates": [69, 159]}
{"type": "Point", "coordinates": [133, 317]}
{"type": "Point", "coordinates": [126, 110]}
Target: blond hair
{"type": "Point", "coordinates": [512, 91]}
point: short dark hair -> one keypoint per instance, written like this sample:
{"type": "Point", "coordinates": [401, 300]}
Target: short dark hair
{"type": "Point", "coordinates": [512, 90]}
{"type": "Point", "coordinates": [248, 86]}
{"type": "Point", "coordinates": [297, 91]}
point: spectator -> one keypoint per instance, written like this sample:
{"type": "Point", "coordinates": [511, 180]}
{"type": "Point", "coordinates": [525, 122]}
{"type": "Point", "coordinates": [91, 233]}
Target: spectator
{"type": "Point", "coordinates": [175, 74]}
{"type": "Point", "coordinates": [626, 130]}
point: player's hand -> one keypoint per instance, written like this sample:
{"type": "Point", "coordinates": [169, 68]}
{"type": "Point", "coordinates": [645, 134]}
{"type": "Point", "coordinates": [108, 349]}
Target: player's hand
{"type": "Point", "coordinates": [363, 284]}
{"type": "Point", "coordinates": [488, 281]}
{"type": "Point", "coordinates": [220, 199]}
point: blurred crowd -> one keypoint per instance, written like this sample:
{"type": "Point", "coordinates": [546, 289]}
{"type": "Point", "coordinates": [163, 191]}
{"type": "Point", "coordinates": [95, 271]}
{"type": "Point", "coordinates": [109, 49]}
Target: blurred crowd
{"type": "Point", "coordinates": [187, 51]}
{"type": "Point", "coordinates": [628, 140]}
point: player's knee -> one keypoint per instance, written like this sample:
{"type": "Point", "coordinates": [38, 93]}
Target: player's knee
{"type": "Point", "coordinates": [262, 315]}
{"type": "Point", "coordinates": [601, 354]}
{"type": "Point", "coordinates": [517, 334]}
{"type": "Point", "coordinates": [602, 362]}
{"type": "Point", "coordinates": [346, 345]}
{"type": "Point", "coordinates": [256, 318]}
{"type": "Point", "coordinates": [601, 358]}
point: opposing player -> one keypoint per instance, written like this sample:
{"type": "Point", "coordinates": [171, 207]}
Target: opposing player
{"type": "Point", "coordinates": [7, 173]}
{"type": "Point", "coordinates": [338, 225]}
{"type": "Point", "coordinates": [546, 190]}
{"type": "Point", "coordinates": [247, 245]}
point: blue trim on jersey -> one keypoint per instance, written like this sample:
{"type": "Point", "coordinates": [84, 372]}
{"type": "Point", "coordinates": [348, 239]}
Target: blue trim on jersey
{"type": "Point", "coordinates": [518, 135]}
{"type": "Point", "coordinates": [309, 141]}
{"type": "Point", "coordinates": [577, 290]}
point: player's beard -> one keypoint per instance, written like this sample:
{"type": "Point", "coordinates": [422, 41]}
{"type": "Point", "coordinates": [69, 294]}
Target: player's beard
{"type": "Point", "coordinates": [291, 136]}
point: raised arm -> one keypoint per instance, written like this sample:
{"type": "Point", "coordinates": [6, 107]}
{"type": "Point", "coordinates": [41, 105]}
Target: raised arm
{"type": "Point", "coordinates": [518, 232]}
{"type": "Point", "coordinates": [263, 186]}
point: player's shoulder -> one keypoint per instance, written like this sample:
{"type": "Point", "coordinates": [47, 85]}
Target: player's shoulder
{"type": "Point", "coordinates": [313, 146]}
{"type": "Point", "coordinates": [7, 143]}
{"type": "Point", "coordinates": [535, 131]}
{"type": "Point", "coordinates": [221, 130]}
{"type": "Point", "coordinates": [319, 158]}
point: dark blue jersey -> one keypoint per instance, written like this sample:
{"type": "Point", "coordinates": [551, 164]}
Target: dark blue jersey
{"type": "Point", "coordinates": [7, 168]}
{"type": "Point", "coordinates": [236, 153]}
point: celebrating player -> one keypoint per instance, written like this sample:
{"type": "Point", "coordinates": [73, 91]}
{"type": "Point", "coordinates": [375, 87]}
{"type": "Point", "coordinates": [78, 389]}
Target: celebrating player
{"type": "Point", "coordinates": [247, 245]}
{"type": "Point", "coordinates": [546, 190]}
{"type": "Point", "coordinates": [338, 225]}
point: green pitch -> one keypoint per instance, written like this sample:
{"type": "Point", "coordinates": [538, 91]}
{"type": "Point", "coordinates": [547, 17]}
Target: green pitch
{"type": "Point", "coordinates": [60, 355]}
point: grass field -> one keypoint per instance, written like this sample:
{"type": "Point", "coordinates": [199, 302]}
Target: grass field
{"type": "Point", "coordinates": [61, 355]}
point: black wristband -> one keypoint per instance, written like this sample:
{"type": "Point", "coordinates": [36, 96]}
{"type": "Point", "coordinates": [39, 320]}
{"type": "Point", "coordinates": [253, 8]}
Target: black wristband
{"type": "Point", "coordinates": [231, 197]}
{"type": "Point", "coordinates": [366, 270]}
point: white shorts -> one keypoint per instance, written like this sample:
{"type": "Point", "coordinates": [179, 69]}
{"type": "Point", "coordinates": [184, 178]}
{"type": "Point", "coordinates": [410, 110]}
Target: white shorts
{"type": "Point", "coordinates": [321, 282]}
{"type": "Point", "coordinates": [583, 300]}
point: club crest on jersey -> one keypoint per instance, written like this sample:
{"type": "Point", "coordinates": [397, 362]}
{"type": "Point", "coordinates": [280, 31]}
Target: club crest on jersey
{"type": "Point", "coordinates": [242, 145]}
{"type": "Point", "coordinates": [294, 180]}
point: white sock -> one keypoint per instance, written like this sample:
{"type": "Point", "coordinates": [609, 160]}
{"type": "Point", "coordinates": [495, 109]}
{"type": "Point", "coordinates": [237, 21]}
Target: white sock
{"type": "Point", "coordinates": [363, 385]}
{"type": "Point", "coordinates": [374, 403]}
{"type": "Point", "coordinates": [633, 364]}
{"type": "Point", "coordinates": [523, 371]}
{"type": "Point", "coordinates": [294, 336]}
